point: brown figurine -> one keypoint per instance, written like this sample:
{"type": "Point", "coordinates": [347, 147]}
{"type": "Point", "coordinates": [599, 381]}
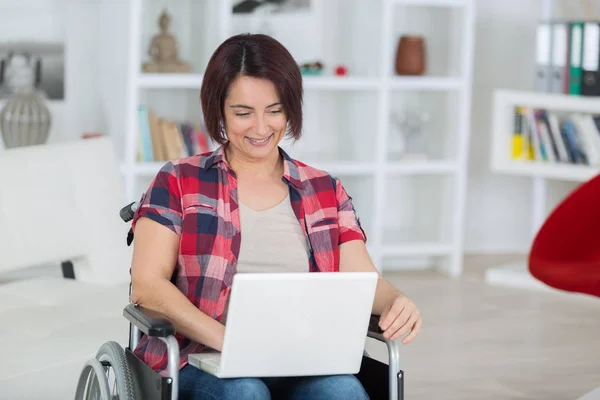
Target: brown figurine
{"type": "Point", "coordinates": [163, 50]}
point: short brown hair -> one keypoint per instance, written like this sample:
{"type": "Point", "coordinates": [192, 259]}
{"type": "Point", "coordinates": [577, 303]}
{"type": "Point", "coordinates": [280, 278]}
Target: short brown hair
{"type": "Point", "coordinates": [257, 56]}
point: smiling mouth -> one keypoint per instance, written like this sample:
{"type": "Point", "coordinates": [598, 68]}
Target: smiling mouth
{"type": "Point", "coordinates": [259, 142]}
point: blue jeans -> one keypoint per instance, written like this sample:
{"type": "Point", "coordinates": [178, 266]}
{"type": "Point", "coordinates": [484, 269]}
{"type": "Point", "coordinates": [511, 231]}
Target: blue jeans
{"type": "Point", "coordinates": [195, 384]}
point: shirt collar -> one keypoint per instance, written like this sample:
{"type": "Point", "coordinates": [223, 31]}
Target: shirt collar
{"type": "Point", "coordinates": [291, 172]}
{"type": "Point", "coordinates": [217, 157]}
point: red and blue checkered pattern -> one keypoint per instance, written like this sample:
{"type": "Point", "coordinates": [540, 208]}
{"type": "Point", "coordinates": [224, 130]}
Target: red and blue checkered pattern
{"type": "Point", "coordinates": [196, 197]}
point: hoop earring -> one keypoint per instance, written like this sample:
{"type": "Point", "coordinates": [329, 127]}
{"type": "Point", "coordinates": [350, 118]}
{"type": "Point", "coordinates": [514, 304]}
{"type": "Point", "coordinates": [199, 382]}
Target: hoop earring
{"type": "Point", "coordinates": [223, 133]}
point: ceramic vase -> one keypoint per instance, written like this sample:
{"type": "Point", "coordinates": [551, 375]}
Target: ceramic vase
{"type": "Point", "coordinates": [410, 55]}
{"type": "Point", "coordinates": [25, 119]}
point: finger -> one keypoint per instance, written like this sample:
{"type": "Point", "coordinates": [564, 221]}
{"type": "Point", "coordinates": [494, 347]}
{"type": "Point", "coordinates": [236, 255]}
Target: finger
{"type": "Point", "coordinates": [391, 315]}
{"type": "Point", "coordinates": [410, 323]}
{"type": "Point", "coordinates": [398, 323]}
{"type": "Point", "coordinates": [414, 332]}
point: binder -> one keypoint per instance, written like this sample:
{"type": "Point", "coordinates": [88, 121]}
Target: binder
{"type": "Point", "coordinates": [559, 54]}
{"type": "Point", "coordinates": [543, 68]}
{"type": "Point", "coordinates": [575, 57]}
{"type": "Point", "coordinates": [590, 83]}
{"type": "Point", "coordinates": [517, 139]}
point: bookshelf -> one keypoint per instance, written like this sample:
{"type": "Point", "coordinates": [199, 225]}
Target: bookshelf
{"type": "Point", "coordinates": [349, 127]}
{"type": "Point", "coordinates": [433, 3]}
{"type": "Point", "coordinates": [555, 62]}
{"type": "Point", "coordinates": [505, 102]}
{"type": "Point", "coordinates": [540, 172]}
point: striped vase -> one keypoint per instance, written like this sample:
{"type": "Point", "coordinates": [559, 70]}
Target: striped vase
{"type": "Point", "coordinates": [25, 119]}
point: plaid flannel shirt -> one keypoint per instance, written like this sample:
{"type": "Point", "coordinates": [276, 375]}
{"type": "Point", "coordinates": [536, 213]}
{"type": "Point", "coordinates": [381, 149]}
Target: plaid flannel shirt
{"type": "Point", "coordinates": [196, 197]}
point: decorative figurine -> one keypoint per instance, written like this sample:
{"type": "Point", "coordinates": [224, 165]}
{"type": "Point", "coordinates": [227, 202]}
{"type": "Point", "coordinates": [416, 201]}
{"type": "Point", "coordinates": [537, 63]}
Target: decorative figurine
{"type": "Point", "coordinates": [315, 68]}
{"type": "Point", "coordinates": [409, 144]}
{"type": "Point", "coordinates": [163, 50]}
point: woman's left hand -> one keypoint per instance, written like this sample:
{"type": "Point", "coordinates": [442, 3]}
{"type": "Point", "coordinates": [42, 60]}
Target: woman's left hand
{"type": "Point", "coordinates": [400, 318]}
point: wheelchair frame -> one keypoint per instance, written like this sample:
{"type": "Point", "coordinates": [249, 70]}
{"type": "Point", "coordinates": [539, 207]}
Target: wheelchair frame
{"type": "Point", "coordinates": [154, 325]}
{"type": "Point", "coordinates": [152, 386]}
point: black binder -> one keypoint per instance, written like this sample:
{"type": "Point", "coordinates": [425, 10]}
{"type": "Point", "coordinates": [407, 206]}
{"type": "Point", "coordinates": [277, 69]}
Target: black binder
{"type": "Point", "coordinates": [590, 82]}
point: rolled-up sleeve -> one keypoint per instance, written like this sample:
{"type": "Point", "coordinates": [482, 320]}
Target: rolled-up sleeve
{"type": "Point", "coordinates": [162, 201]}
{"type": "Point", "coordinates": [349, 223]}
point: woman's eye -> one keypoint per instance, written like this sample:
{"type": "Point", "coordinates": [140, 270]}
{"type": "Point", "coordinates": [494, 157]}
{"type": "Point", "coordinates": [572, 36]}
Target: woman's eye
{"type": "Point", "coordinates": [275, 111]}
{"type": "Point", "coordinates": [242, 114]}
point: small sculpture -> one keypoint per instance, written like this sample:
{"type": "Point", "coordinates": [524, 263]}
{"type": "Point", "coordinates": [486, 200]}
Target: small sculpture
{"type": "Point", "coordinates": [410, 141]}
{"type": "Point", "coordinates": [163, 50]}
{"type": "Point", "coordinates": [312, 68]}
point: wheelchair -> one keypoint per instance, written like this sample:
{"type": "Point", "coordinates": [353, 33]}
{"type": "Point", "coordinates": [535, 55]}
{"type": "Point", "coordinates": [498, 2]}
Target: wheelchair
{"type": "Point", "coordinates": [118, 374]}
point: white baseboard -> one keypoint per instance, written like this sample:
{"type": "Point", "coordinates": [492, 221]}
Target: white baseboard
{"type": "Point", "coordinates": [496, 249]}
{"type": "Point", "coordinates": [514, 275]}
{"type": "Point", "coordinates": [37, 271]}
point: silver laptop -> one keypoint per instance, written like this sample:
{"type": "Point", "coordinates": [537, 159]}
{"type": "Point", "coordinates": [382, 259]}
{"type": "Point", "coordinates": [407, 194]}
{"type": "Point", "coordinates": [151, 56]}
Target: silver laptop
{"type": "Point", "coordinates": [294, 324]}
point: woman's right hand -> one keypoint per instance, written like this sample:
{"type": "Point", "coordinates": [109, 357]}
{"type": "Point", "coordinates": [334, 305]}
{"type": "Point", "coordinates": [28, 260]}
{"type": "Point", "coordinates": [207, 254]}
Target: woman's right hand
{"type": "Point", "coordinates": [155, 252]}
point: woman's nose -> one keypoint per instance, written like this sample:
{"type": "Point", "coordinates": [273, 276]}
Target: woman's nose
{"type": "Point", "coordinates": [262, 126]}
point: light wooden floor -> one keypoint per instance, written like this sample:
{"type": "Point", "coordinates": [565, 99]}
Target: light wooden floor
{"type": "Point", "coordinates": [483, 342]}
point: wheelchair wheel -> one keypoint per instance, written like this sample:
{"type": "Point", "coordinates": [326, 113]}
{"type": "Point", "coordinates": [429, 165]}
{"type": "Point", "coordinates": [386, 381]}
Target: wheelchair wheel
{"type": "Point", "coordinates": [120, 379]}
{"type": "Point", "coordinates": [107, 377]}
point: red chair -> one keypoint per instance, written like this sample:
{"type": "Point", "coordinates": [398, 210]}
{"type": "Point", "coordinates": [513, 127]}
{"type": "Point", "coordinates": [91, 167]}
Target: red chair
{"type": "Point", "coordinates": [565, 253]}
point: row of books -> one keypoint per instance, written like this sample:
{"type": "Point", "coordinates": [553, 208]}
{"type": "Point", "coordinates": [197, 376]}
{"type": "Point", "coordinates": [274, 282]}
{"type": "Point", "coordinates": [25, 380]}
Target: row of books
{"type": "Point", "coordinates": [547, 136]}
{"type": "Point", "coordinates": [161, 139]}
{"type": "Point", "coordinates": [568, 57]}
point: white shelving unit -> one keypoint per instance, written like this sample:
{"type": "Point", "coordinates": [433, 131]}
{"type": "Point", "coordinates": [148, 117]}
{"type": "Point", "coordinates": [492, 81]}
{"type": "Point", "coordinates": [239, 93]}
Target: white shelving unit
{"type": "Point", "coordinates": [516, 274]}
{"type": "Point", "coordinates": [348, 120]}
{"type": "Point", "coordinates": [504, 103]}
{"type": "Point", "coordinates": [432, 3]}
{"type": "Point", "coordinates": [429, 83]}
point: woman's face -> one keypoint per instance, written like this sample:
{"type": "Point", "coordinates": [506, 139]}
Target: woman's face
{"type": "Point", "coordinates": [255, 121]}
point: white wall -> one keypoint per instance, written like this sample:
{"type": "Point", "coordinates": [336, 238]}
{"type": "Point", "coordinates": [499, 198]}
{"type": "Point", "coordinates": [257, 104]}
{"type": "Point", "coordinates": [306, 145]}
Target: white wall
{"type": "Point", "coordinates": [498, 207]}
{"type": "Point", "coordinates": [49, 21]}
{"type": "Point", "coordinates": [505, 37]}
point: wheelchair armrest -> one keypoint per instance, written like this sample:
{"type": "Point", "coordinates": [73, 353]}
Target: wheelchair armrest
{"type": "Point", "coordinates": [128, 211]}
{"type": "Point", "coordinates": [149, 322]}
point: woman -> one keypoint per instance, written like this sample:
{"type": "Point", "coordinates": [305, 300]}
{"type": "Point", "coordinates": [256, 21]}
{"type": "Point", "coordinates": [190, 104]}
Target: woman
{"type": "Point", "coordinates": [189, 226]}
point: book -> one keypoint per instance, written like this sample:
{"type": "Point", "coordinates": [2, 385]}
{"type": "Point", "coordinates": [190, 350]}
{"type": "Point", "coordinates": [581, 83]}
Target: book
{"type": "Point", "coordinates": [555, 137]}
{"type": "Point", "coordinates": [162, 139]}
